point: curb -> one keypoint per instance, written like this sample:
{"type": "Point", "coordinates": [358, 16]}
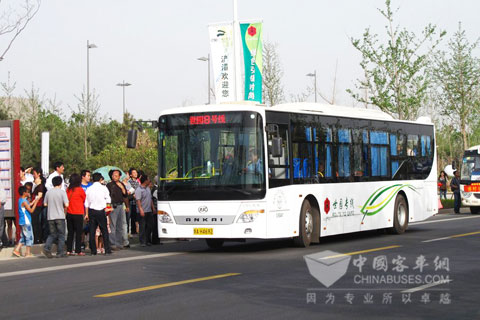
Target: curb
{"type": "Point", "coordinates": [7, 253]}
{"type": "Point", "coordinates": [450, 210]}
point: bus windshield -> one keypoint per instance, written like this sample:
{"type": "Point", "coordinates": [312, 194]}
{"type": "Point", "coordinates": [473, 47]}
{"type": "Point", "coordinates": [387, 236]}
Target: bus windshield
{"type": "Point", "coordinates": [211, 156]}
{"type": "Point", "coordinates": [471, 168]}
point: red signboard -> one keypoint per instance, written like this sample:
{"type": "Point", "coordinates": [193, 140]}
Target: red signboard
{"type": "Point", "coordinates": [474, 187]}
{"type": "Point", "coordinates": [207, 119]}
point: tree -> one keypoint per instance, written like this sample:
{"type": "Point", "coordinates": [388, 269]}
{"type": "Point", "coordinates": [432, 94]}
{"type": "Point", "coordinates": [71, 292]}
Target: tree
{"type": "Point", "coordinates": [395, 72]}
{"type": "Point", "coordinates": [86, 113]}
{"type": "Point", "coordinates": [12, 22]}
{"type": "Point", "coordinates": [272, 75]}
{"type": "Point", "coordinates": [302, 96]}
{"type": "Point", "coordinates": [334, 88]}
{"type": "Point", "coordinates": [6, 101]}
{"type": "Point", "coordinates": [449, 145]}
{"type": "Point", "coordinates": [456, 74]}
{"type": "Point", "coordinates": [144, 156]}
{"type": "Point", "coordinates": [66, 134]}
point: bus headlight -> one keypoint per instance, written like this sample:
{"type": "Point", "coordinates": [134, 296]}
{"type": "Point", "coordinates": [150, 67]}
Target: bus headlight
{"type": "Point", "coordinates": [249, 216]}
{"type": "Point", "coordinates": [466, 194]}
{"type": "Point", "coordinates": [164, 217]}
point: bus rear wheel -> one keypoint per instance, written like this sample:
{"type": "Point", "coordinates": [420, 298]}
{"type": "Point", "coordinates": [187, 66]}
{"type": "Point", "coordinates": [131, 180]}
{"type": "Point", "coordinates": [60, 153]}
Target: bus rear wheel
{"type": "Point", "coordinates": [307, 225]}
{"type": "Point", "coordinates": [214, 243]}
{"type": "Point", "coordinates": [474, 210]}
{"type": "Point", "coordinates": [400, 215]}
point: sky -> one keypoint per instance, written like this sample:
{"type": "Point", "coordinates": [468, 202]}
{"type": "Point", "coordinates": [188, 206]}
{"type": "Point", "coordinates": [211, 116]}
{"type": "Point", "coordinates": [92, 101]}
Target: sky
{"type": "Point", "coordinates": [154, 45]}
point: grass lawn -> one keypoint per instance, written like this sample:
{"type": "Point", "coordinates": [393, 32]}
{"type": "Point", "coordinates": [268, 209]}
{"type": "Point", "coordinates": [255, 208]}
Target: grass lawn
{"type": "Point", "coordinates": [447, 203]}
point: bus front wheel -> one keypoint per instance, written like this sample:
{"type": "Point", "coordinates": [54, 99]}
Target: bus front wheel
{"type": "Point", "coordinates": [307, 225]}
{"type": "Point", "coordinates": [400, 215]}
{"type": "Point", "coordinates": [214, 243]}
{"type": "Point", "coordinates": [474, 210]}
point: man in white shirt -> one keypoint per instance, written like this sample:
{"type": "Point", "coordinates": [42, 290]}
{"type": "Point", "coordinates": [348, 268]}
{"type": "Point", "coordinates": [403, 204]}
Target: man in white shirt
{"type": "Point", "coordinates": [95, 203]}
{"type": "Point", "coordinates": [59, 169]}
{"type": "Point", "coordinates": [25, 175]}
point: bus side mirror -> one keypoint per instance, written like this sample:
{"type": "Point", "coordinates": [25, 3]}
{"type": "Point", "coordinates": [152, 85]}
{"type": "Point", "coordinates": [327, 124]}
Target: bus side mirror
{"type": "Point", "coordinates": [277, 150]}
{"type": "Point", "coordinates": [132, 139]}
{"type": "Point", "coordinates": [454, 165]}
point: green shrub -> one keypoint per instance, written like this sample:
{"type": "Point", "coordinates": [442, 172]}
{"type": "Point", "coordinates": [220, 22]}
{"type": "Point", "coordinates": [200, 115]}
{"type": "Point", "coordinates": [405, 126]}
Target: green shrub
{"type": "Point", "coordinates": [447, 203]}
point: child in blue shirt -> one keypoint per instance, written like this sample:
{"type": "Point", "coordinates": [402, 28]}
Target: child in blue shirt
{"type": "Point", "coordinates": [25, 222]}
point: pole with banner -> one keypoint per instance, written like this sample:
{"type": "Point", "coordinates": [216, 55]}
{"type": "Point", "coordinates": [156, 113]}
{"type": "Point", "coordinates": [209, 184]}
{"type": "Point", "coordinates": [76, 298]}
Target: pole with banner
{"type": "Point", "coordinates": [236, 57]}
{"type": "Point", "coordinates": [251, 34]}
{"type": "Point", "coordinates": [237, 52]}
{"type": "Point", "coordinates": [45, 152]}
{"type": "Point", "coordinates": [223, 61]}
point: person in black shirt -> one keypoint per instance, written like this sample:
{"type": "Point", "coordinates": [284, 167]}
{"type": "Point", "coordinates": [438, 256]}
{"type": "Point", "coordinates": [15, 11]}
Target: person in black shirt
{"type": "Point", "coordinates": [133, 181]}
{"type": "Point", "coordinates": [455, 186]}
{"type": "Point", "coordinates": [119, 196]}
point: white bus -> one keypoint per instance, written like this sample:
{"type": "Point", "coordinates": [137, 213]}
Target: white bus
{"type": "Point", "coordinates": [301, 171]}
{"type": "Point", "coordinates": [470, 179]}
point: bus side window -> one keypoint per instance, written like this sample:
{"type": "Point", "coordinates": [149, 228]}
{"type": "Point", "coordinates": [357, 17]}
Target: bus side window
{"type": "Point", "coordinates": [343, 155]}
{"type": "Point", "coordinates": [412, 145]}
{"type": "Point", "coordinates": [328, 153]}
{"type": "Point", "coordinates": [401, 145]}
{"type": "Point", "coordinates": [426, 146]}
{"type": "Point", "coordinates": [358, 158]}
{"type": "Point", "coordinates": [366, 158]}
{"type": "Point", "coordinates": [302, 136]}
{"type": "Point", "coordinates": [279, 167]}
{"type": "Point", "coordinates": [378, 152]}
{"type": "Point", "coordinates": [394, 153]}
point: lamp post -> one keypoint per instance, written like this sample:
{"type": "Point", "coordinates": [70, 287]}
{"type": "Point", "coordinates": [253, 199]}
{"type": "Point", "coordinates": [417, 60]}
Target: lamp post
{"type": "Point", "coordinates": [314, 75]}
{"type": "Point", "coordinates": [207, 58]}
{"type": "Point", "coordinates": [123, 85]}
{"type": "Point", "coordinates": [89, 46]}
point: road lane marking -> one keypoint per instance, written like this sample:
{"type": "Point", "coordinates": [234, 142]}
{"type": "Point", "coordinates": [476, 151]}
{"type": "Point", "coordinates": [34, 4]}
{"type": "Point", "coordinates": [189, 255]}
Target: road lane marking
{"type": "Point", "coordinates": [88, 264]}
{"type": "Point", "coordinates": [361, 251]}
{"type": "Point", "coordinates": [441, 220]}
{"type": "Point", "coordinates": [164, 285]}
{"type": "Point", "coordinates": [426, 286]}
{"type": "Point", "coordinates": [454, 236]}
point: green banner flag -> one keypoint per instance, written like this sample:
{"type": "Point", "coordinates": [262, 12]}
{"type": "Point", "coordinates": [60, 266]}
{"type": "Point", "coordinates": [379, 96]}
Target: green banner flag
{"type": "Point", "coordinates": [252, 55]}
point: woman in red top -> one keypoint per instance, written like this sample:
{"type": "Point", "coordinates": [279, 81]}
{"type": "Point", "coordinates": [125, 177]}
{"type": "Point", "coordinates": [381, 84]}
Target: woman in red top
{"type": "Point", "coordinates": [75, 211]}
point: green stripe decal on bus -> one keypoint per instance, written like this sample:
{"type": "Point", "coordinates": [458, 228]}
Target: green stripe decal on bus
{"type": "Point", "coordinates": [375, 204]}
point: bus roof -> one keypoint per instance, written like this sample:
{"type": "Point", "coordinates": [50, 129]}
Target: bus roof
{"type": "Point", "coordinates": [299, 107]}
{"type": "Point", "coordinates": [333, 110]}
{"type": "Point", "coordinates": [474, 148]}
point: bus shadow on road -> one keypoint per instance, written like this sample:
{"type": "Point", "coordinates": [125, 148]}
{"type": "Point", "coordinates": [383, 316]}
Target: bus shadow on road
{"type": "Point", "coordinates": [258, 245]}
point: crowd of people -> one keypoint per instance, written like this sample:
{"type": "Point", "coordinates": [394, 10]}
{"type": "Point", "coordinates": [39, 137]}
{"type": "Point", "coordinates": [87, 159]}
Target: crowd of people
{"type": "Point", "coordinates": [82, 214]}
{"type": "Point", "coordinates": [454, 184]}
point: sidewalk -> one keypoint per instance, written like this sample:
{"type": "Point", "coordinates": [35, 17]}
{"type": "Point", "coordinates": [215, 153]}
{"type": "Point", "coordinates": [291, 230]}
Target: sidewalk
{"type": "Point", "coordinates": [6, 253]}
{"type": "Point", "coordinates": [450, 210]}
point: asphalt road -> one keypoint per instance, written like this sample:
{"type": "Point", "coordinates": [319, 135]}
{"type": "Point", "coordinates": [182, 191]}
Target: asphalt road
{"type": "Point", "coordinates": [258, 279]}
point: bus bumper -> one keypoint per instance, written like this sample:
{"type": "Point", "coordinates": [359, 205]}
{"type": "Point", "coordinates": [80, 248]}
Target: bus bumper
{"type": "Point", "coordinates": [471, 201]}
{"type": "Point", "coordinates": [256, 229]}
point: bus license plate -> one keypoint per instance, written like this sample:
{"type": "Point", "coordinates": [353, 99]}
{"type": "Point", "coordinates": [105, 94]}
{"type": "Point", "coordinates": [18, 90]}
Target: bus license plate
{"type": "Point", "coordinates": [203, 231]}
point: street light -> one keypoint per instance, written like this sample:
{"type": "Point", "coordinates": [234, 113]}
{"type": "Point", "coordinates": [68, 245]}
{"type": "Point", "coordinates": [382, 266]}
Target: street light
{"type": "Point", "coordinates": [207, 58]}
{"type": "Point", "coordinates": [314, 75]}
{"type": "Point", "coordinates": [123, 85]}
{"type": "Point", "coordinates": [89, 46]}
